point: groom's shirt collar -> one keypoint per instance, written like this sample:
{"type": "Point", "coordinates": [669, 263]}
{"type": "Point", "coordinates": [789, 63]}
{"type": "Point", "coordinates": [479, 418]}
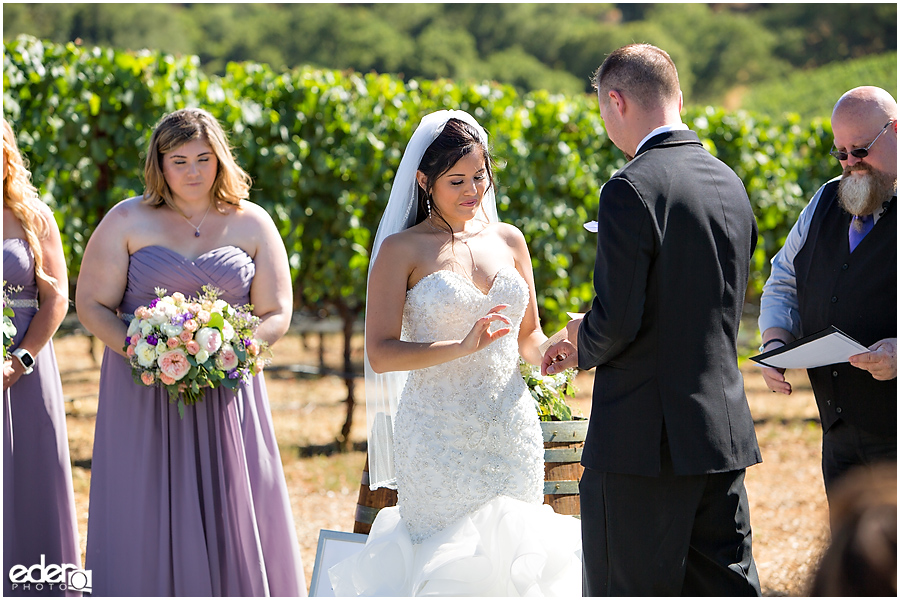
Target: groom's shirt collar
{"type": "Point", "coordinates": [657, 131]}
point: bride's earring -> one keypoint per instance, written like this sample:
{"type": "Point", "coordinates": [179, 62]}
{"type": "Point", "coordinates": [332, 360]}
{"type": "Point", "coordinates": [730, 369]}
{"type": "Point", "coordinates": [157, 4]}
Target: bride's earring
{"type": "Point", "coordinates": [427, 206]}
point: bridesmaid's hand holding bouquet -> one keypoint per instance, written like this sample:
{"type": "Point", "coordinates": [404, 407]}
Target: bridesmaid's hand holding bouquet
{"type": "Point", "coordinates": [188, 344]}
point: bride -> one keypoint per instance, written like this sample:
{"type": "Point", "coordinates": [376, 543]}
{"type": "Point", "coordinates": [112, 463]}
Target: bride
{"type": "Point", "coordinates": [450, 308]}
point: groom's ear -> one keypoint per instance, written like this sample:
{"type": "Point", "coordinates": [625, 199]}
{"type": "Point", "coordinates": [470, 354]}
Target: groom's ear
{"type": "Point", "coordinates": [422, 179]}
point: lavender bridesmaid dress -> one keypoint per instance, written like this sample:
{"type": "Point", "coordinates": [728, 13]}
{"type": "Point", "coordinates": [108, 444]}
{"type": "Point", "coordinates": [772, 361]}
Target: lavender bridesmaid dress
{"type": "Point", "coordinates": [195, 506]}
{"type": "Point", "coordinates": [38, 501]}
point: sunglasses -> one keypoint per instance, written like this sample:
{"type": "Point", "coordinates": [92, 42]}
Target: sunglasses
{"type": "Point", "coordinates": [859, 152]}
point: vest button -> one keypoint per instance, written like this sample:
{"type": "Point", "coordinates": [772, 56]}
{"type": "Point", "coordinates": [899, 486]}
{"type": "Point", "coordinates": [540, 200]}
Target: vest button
{"type": "Point", "coordinates": [828, 402]}
{"type": "Point", "coordinates": [834, 374]}
{"type": "Point", "coordinates": [833, 299]}
{"type": "Point", "coordinates": [838, 410]}
{"type": "Point", "coordinates": [845, 266]}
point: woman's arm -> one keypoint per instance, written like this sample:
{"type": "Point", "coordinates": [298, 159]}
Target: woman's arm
{"type": "Point", "coordinates": [53, 300]}
{"type": "Point", "coordinates": [270, 293]}
{"type": "Point", "coordinates": [530, 334]}
{"type": "Point", "coordinates": [384, 317]}
{"type": "Point", "coordinates": [104, 275]}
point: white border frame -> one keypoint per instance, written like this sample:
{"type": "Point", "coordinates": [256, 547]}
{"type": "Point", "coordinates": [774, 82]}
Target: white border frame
{"type": "Point", "coordinates": [333, 547]}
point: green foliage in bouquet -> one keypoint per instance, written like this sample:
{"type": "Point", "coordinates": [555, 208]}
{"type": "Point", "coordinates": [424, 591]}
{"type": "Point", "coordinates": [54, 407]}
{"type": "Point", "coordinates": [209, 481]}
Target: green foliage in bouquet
{"type": "Point", "coordinates": [549, 391]}
{"type": "Point", "coordinates": [9, 329]}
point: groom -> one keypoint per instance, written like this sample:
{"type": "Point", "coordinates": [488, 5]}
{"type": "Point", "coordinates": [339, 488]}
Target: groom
{"type": "Point", "coordinates": [664, 510]}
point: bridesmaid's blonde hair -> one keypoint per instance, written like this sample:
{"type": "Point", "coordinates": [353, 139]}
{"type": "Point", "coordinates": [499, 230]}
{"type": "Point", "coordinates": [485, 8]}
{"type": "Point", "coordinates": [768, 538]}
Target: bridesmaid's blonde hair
{"type": "Point", "coordinates": [21, 197]}
{"type": "Point", "coordinates": [232, 183]}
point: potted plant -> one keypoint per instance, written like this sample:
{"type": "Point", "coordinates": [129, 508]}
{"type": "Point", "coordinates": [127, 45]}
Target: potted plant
{"type": "Point", "coordinates": [563, 436]}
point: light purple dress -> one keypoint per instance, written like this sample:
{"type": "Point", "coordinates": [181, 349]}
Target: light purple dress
{"type": "Point", "coordinates": [38, 501]}
{"type": "Point", "coordinates": [195, 506]}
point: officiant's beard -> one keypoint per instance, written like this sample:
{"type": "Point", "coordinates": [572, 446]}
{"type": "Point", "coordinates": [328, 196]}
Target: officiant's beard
{"type": "Point", "coordinates": [862, 195]}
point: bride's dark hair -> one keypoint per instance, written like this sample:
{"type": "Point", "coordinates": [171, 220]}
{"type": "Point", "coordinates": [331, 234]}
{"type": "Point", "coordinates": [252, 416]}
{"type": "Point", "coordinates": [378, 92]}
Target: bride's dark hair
{"type": "Point", "coordinates": [458, 139]}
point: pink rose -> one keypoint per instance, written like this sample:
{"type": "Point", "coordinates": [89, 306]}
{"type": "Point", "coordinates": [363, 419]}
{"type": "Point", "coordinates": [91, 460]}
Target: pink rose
{"type": "Point", "coordinates": [147, 378]}
{"type": "Point", "coordinates": [191, 325]}
{"type": "Point", "coordinates": [173, 364]}
{"type": "Point", "coordinates": [194, 307]}
{"type": "Point", "coordinates": [135, 339]}
{"type": "Point", "coordinates": [209, 338]}
{"type": "Point", "coordinates": [253, 348]}
{"type": "Point", "coordinates": [186, 336]}
{"type": "Point", "coordinates": [203, 316]}
{"type": "Point", "coordinates": [173, 342]}
{"type": "Point", "coordinates": [192, 347]}
{"type": "Point", "coordinates": [227, 359]}
{"type": "Point", "coordinates": [130, 351]}
{"type": "Point", "coordinates": [166, 379]}
{"type": "Point", "coordinates": [142, 313]}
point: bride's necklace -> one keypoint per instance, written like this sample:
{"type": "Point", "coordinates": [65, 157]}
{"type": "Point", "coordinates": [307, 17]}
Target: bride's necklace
{"type": "Point", "coordinates": [465, 242]}
{"type": "Point", "coordinates": [197, 227]}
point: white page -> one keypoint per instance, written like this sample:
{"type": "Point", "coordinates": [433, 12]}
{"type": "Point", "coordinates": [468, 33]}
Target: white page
{"type": "Point", "coordinates": [831, 348]}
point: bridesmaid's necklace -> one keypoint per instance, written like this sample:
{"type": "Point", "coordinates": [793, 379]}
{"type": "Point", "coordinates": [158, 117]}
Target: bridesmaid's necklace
{"type": "Point", "coordinates": [197, 227]}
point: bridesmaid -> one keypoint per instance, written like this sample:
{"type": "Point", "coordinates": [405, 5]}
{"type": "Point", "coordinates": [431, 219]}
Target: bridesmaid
{"type": "Point", "coordinates": [193, 506]}
{"type": "Point", "coordinates": [38, 501]}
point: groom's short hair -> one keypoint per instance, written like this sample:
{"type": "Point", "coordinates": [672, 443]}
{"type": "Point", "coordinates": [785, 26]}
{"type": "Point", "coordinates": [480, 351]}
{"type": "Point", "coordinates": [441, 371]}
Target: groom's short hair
{"type": "Point", "coordinates": [642, 72]}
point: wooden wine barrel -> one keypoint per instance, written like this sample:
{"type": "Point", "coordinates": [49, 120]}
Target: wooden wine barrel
{"type": "Point", "coordinates": [563, 445]}
{"type": "Point", "coordinates": [369, 502]}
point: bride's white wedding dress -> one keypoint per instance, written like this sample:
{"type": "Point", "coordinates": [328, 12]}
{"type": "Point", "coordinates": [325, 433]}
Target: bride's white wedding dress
{"type": "Point", "coordinates": [468, 453]}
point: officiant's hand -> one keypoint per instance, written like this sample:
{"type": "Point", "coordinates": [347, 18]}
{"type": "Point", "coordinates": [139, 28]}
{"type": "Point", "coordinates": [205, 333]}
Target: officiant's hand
{"type": "Point", "coordinates": [880, 360]}
{"type": "Point", "coordinates": [774, 338]}
{"type": "Point", "coordinates": [775, 380]}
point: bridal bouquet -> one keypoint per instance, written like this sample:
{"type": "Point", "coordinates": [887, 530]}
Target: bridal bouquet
{"type": "Point", "coordinates": [189, 344]}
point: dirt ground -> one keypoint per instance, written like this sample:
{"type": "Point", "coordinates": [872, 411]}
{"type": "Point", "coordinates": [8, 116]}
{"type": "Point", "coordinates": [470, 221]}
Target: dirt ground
{"type": "Point", "coordinates": [787, 498]}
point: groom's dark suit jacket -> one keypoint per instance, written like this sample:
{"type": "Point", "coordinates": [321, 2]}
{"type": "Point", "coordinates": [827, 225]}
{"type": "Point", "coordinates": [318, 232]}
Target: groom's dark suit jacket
{"type": "Point", "coordinates": [675, 236]}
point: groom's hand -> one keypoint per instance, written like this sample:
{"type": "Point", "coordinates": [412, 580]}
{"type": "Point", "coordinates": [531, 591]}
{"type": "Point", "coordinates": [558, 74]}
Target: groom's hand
{"type": "Point", "coordinates": [559, 357]}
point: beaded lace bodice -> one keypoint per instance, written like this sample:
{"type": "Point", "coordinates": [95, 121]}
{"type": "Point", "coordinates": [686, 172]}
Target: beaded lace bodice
{"type": "Point", "coordinates": [466, 431]}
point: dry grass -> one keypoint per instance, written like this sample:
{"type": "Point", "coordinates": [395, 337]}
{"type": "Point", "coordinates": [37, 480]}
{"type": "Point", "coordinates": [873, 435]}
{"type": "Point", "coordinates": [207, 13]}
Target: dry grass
{"type": "Point", "coordinates": [787, 498]}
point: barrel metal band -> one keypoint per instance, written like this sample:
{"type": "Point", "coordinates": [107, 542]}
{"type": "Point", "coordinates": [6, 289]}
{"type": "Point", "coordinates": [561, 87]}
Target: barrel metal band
{"type": "Point", "coordinates": [562, 455]}
{"type": "Point", "coordinates": [557, 488]}
{"type": "Point", "coordinates": [366, 514]}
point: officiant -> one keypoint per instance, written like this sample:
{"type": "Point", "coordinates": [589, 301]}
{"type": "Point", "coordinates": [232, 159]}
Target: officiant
{"type": "Point", "coordinates": [838, 267]}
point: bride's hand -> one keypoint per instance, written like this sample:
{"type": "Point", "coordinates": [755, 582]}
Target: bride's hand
{"type": "Point", "coordinates": [479, 337]}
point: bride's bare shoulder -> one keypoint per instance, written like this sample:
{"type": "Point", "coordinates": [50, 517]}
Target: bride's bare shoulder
{"type": "Point", "coordinates": [408, 240]}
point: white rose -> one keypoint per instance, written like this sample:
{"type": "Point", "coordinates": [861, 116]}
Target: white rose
{"type": "Point", "coordinates": [133, 327]}
{"type": "Point", "coordinates": [227, 331]}
{"type": "Point", "coordinates": [146, 354]}
{"type": "Point", "coordinates": [146, 328]}
{"type": "Point", "coordinates": [219, 306]}
{"type": "Point", "coordinates": [209, 338]}
{"type": "Point", "coordinates": [158, 315]}
{"type": "Point", "coordinates": [201, 357]}
{"type": "Point", "coordinates": [161, 347]}
{"type": "Point", "coordinates": [171, 330]}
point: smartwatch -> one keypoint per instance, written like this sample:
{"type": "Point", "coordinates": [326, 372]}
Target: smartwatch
{"type": "Point", "coordinates": [25, 358]}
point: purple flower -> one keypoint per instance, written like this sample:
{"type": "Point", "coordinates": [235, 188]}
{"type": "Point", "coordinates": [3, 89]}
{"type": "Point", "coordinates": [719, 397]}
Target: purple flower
{"type": "Point", "coordinates": [152, 339]}
{"type": "Point", "coordinates": [154, 302]}
{"type": "Point", "coordinates": [233, 374]}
